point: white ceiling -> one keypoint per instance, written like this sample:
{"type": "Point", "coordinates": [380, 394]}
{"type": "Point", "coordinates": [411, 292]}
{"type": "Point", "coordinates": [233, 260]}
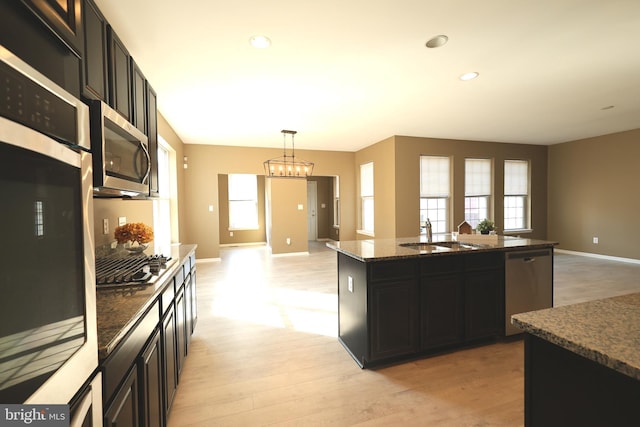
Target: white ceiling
{"type": "Point", "coordinates": [348, 73]}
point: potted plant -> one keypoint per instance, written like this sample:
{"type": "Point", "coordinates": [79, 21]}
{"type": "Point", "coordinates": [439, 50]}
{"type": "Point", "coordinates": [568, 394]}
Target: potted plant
{"type": "Point", "coordinates": [485, 226]}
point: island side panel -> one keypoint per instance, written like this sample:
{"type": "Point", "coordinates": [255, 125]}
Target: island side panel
{"type": "Point", "coordinates": [563, 388]}
{"type": "Point", "coordinates": [352, 307]}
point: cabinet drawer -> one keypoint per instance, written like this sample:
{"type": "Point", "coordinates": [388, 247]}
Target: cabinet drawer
{"type": "Point", "coordinates": [441, 264]}
{"type": "Point", "coordinates": [124, 356]}
{"type": "Point", "coordinates": [484, 260]}
{"type": "Point", "coordinates": [167, 296]}
{"type": "Point", "coordinates": [392, 270]}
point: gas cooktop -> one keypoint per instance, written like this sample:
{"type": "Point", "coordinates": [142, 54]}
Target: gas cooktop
{"type": "Point", "coordinates": [131, 270]}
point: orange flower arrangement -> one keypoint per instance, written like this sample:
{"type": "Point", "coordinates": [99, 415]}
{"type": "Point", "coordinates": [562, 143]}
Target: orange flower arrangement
{"type": "Point", "coordinates": [134, 232]}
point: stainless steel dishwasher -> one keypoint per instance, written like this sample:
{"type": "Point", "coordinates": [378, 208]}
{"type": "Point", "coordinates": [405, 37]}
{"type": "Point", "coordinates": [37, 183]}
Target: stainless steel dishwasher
{"type": "Point", "coordinates": [528, 283]}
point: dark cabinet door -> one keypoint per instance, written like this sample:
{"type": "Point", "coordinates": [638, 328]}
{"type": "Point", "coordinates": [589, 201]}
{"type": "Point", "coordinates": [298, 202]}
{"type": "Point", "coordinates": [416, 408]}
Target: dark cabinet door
{"type": "Point", "coordinates": [64, 17]}
{"type": "Point", "coordinates": [151, 383]}
{"type": "Point", "coordinates": [138, 98]}
{"type": "Point", "coordinates": [169, 355]}
{"type": "Point", "coordinates": [94, 71]}
{"type": "Point", "coordinates": [119, 75]}
{"type": "Point", "coordinates": [483, 295]}
{"type": "Point", "coordinates": [181, 329]}
{"type": "Point", "coordinates": [194, 300]}
{"type": "Point", "coordinates": [442, 302]}
{"type": "Point", "coordinates": [152, 134]}
{"type": "Point", "coordinates": [188, 303]}
{"type": "Point", "coordinates": [394, 322]}
{"type": "Point", "coordinates": [124, 412]}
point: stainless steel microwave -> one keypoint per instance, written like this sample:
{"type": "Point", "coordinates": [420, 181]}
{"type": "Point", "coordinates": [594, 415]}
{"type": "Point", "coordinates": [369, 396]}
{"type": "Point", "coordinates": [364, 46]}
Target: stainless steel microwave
{"type": "Point", "coordinates": [121, 161]}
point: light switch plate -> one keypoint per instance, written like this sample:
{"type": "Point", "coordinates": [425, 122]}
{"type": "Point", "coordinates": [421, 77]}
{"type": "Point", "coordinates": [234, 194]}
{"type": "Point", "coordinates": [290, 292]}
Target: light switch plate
{"type": "Point", "coordinates": [122, 220]}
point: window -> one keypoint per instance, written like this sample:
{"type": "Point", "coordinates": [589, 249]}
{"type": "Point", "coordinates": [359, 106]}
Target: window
{"type": "Point", "coordinates": [243, 202]}
{"type": "Point", "coordinates": [336, 201]}
{"type": "Point", "coordinates": [435, 192]}
{"type": "Point", "coordinates": [366, 196]}
{"type": "Point", "coordinates": [516, 194]}
{"type": "Point", "coordinates": [477, 190]}
{"type": "Point", "coordinates": [162, 205]}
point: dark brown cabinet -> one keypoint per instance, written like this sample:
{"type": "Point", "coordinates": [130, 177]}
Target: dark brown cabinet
{"type": "Point", "coordinates": [181, 329]}
{"type": "Point", "coordinates": [150, 364]}
{"type": "Point", "coordinates": [394, 321]}
{"type": "Point", "coordinates": [389, 310]}
{"type": "Point", "coordinates": [119, 75]}
{"type": "Point", "coordinates": [124, 410]}
{"type": "Point", "coordinates": [169, 352]}
{"type": "Point", "coordinates": [152, 134]}
{"type": "Point", "coordinates": [94, 70]}
{"type": "Point", "coordinates": [138, 98]}
{"type": "Point", "coordinates": [64, 17]}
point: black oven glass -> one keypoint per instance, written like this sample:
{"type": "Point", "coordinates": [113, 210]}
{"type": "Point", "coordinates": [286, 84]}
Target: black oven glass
{"type": "Point", "coordinates": [123, 154]}
{"type": "Point", "coordinates": [42, 276]}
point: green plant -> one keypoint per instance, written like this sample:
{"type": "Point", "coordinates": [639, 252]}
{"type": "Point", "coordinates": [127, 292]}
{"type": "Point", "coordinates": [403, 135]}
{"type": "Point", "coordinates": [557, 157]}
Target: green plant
{"type": "Point", "coordinates": [485, 226]}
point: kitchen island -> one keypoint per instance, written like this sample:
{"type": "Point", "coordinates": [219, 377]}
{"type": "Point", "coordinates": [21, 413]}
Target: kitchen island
{"type": "Point", "coordinates": [402, 298]}
{"type": "Point", "coordinates": [582, 363]}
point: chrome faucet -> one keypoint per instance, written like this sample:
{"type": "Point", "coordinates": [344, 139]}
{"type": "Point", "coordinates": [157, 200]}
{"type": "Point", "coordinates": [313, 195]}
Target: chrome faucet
{"type": "Point", "coordinates": [429, 233]}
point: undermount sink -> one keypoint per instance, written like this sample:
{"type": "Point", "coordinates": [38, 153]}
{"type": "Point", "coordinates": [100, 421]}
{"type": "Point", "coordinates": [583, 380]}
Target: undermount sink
{"type": "Point", "coordinates": [431, 246]}
{"type": "Point", "coordinates": [420, 246]}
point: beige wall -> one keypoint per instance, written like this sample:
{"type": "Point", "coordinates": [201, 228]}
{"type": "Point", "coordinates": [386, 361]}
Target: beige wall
{"type": "Point", "coordinates": [206, 162]}
{"type": "Point", "coordinates": [240, 236]}
{"type": "Point", "coordinates": [287, 217]}
{"type": "Point", "coordinates": [397, 180]}
{"type": "Point", "coordinates": [592, 194]}
{"type": "Point", "coordinates": [112, 209]}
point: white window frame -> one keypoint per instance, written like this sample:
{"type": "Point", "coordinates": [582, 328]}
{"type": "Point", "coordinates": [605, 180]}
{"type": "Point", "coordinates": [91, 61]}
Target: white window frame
{"type": "Point", "coordinates": [435, 193]}
{"type": "Point", "coordinates": [165, 211]}
{"type": "Point", "coordinates": [478, 185]}
{"type": "Point", "coordinates": [243, 202]}
{"type": "Point", "coordinates": [517, 183]}
{"type": "Point", "coordinates": [367, 205]}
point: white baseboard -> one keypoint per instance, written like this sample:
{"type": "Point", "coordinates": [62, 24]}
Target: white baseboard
{"type": "Point", "coordinates": [290, 254]}
{"type": "Point", "coordinates": [227, 245]}
{"type": "Point", "coordinates": [606, 257]}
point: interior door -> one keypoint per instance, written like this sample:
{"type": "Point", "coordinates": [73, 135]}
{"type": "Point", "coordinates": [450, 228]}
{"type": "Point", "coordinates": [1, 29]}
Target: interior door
{"type": "Point", "coordinates": [312, 210]}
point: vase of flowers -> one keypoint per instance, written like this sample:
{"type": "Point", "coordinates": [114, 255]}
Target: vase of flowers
{"type": "Point", "coordinates": [136, 235]}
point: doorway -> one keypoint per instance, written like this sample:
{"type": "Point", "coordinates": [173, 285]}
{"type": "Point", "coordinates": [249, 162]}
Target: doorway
{"type": "Point", "coordinates": [312, 210]}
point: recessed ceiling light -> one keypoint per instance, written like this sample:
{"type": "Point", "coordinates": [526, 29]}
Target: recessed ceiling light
{"type": "Point", "coordinates": [437, 41]}
{"type": "Point", "coordinates": [260, 42]}
{"type": "Point", "coordinates": [469, 76]}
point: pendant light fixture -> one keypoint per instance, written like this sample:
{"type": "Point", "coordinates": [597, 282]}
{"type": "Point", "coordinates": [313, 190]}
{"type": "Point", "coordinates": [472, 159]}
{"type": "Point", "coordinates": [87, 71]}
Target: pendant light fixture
{"type": "Point", "coordinates": [287, 166]}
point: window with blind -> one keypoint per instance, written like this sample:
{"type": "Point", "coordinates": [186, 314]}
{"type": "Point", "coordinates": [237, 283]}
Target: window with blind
{"type": "Point", "coordinates": [477, 190]}
{"type": "Point", "coordinates": [435, 192]}
{"type": "Point", "coordinates": [366, 197]}
{"type": "Point", "coordinates": [516, 194]}
{"type": "Point", "coordinates": [243, 202]}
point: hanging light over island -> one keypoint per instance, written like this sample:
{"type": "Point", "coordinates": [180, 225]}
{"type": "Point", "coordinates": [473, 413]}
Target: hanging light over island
{"type": "Point", "coordinates": [287, 166]}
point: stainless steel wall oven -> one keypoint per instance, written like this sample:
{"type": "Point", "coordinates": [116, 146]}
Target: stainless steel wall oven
{"type": "Point", "coordinates": [48, 338]}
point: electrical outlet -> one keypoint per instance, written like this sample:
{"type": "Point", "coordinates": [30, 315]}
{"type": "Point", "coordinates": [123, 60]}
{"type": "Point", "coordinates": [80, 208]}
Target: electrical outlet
{"type": "Point", "coordinates": [350, 284]}
{"type": "Point", "coordinates": [288, 240]}
{"type": "Point", "coordinates": [105, 226]}
{"type": "Point", "coordinates": [122, 220]}
{"type": "Point", "coordinates": [231, 234]}
{"type": "Point", "coordinates": [595, 240]}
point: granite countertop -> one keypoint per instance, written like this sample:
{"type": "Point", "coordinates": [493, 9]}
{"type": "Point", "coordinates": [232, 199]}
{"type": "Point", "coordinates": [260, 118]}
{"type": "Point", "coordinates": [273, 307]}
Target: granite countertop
{"type": "Point", "coordinates": [606, 331]}
{"type": "Point", "coordinates": [384, 249]}
{"type": "Point", "coordinates": [118, 310]}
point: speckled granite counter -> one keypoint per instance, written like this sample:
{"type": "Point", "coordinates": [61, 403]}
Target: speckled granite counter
{"type": "Point", "coordinates": [605, 331]}
{"type": "Point", "coordinates": [385, 249]}
{"type": "Point", "coordinates": [118, 311]}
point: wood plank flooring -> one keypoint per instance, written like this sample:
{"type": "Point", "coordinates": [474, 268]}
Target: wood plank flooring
{"type": "Point", "coordinates": [265, 352]}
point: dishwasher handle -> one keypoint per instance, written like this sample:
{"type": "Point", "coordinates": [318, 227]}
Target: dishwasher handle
{"type": "Point", "coordinates": [529, 259]}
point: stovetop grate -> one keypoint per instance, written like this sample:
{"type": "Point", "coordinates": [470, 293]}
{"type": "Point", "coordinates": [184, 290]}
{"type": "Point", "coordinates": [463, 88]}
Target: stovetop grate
{"type": "Point", "coordinates": [129, 270]}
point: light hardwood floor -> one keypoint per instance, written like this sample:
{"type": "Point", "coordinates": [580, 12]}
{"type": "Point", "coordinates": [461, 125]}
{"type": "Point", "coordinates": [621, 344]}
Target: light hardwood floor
{"type": "Point", "coordinates": [265, 352]}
